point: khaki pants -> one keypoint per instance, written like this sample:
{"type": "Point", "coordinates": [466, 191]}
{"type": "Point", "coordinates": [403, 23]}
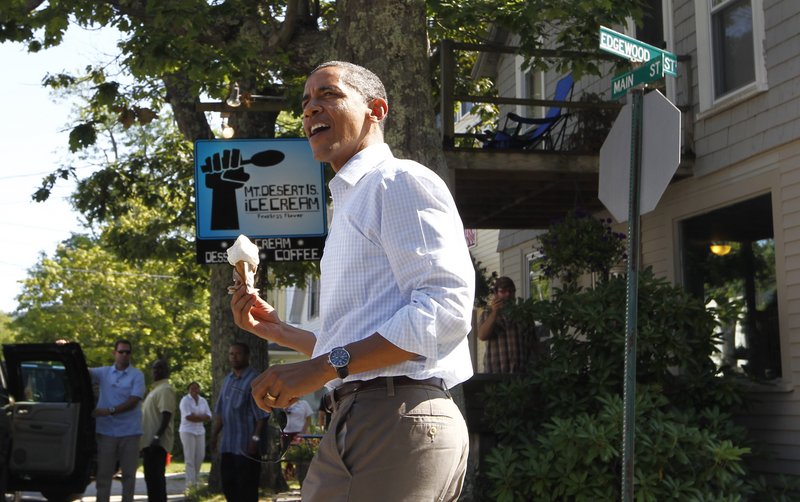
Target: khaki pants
{"type": "Point", "coordinates": [111, 450]}
{"type": "Point", "coordinates": [411, 446]}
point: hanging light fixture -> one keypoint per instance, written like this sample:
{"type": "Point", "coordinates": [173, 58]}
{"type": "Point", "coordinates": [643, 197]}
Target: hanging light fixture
{"type": "Point", "coordinates": [227, 130]}
{"type": "Point", "coordinates": [233, 96]}
{"type": "Point", "coordinates": [720, 248]}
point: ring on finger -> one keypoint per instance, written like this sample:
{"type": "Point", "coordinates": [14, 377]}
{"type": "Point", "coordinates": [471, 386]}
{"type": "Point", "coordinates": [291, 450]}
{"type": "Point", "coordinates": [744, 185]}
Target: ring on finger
{"type": "Point", "coordinates": [271, 397]}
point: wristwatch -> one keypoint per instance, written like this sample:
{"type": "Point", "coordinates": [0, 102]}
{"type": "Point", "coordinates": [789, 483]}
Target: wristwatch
{"type": "Point", "coordinates": [255, 438]}
{"type": "Point", "coordinates": [112, 410]}
{"type": "Point", "coordinates": [339, 358]}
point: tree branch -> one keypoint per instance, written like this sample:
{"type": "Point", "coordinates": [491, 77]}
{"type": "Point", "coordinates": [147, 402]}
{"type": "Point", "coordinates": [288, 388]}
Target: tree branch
{"type": "Point", "coordinates": [281, 37]}
{"type": "Point", "coordinates": [192, 123]}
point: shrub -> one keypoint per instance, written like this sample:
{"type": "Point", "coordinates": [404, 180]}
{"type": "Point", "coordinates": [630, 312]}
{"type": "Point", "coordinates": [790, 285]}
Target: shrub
{"type": "Point", "coordinates": [559, 425]}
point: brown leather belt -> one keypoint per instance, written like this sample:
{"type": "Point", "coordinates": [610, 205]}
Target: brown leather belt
{"type": "Point", "coordinates": [348, 388]}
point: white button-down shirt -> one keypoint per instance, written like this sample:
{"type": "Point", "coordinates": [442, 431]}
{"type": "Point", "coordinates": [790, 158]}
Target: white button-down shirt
{"type": "Point", "coordinates": [396, 263]}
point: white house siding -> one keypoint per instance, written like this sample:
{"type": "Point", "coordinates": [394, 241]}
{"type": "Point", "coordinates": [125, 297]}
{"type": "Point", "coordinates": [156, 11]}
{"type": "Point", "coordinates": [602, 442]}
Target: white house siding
{"type": "Point", "coordinates": [763, 121]}
{"type": "Point", "coordinates": [485, 252]}
{"type": "Point", "coordinates": [745, 150]}
{"type": "Point", "coordinates": [774, 416]}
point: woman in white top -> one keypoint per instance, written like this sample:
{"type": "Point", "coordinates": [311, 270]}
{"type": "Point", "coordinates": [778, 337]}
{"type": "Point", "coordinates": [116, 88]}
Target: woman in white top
{"type": "Point", "coordinates": [194, 413]}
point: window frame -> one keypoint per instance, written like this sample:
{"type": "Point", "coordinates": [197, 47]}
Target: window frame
{"type": "Point", "coordinates": [529, 84]}
{"type": "Point", "coordinates": [710, 104]}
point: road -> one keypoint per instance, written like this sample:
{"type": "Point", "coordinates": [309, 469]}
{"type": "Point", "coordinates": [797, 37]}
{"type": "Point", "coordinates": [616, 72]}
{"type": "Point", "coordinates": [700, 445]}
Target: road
{"type": "Point", "coordinates": [175, 486]}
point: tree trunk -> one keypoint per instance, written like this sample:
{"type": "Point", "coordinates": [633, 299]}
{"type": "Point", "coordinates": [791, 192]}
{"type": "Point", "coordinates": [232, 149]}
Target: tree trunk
{"type": "Point", "coordinates": [390, 38]}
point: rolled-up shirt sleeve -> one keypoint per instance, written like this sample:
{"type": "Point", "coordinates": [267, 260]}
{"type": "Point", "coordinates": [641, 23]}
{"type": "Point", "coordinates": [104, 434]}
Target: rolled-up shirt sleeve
{"type": "Point", "coordinates": [425, 247]}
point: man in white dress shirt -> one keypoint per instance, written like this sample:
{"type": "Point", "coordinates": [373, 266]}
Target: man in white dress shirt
{"type": "Point", "coordinates": [396, 302]}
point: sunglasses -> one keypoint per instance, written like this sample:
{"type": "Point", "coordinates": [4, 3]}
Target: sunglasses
{"type": "Point", "coordinates": [273, 447]}
{"type": "Point", "coordinates": [123, 352]}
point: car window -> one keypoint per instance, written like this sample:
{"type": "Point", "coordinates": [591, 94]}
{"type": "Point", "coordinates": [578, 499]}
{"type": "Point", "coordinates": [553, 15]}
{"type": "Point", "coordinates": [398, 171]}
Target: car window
{"type": "Point", "coordinates": [45, 382]}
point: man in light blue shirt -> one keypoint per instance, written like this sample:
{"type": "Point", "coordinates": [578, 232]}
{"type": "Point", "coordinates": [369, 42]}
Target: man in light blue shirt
{"type": "Point", "coordinates": [118, 421]}
{"type": "Point", "coordinates": [395, 309]}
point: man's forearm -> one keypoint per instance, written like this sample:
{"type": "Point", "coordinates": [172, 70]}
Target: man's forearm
{"type": "Point", "coordinates": [165, 418]}
{"type": "Point", "coordinates": [127, 405]}
{"type": "Point", "coordinates": [375, 352]}
{"type": "Point", "coordinates": [295, 338]}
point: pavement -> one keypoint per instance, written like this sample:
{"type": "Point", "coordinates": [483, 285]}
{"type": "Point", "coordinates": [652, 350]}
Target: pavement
{"type": "Point", "coordinates": [175, 485]}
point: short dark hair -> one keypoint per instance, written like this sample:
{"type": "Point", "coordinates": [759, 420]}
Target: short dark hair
{"type": "Point", "coordinates": [505, 283]}
{"type": "Point", "coordinates": [245, 348]}
{"type": "Point", "coordinates": [359, 78]}
{"type": "Point", "coordinates": [162, 365]}
{"type": "Point", "coordinates": [122, 340]}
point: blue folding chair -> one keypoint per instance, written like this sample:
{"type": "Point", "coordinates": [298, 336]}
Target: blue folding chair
{"type": "Point", "coordinates": [511, 135]}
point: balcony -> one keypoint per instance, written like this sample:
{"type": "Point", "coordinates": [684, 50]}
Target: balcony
{"type": "Point", "coordinates": [497, 188]}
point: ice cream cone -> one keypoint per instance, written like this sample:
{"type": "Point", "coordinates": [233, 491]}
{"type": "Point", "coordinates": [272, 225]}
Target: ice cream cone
{"type": "Point", "coordinates": [243, 255]}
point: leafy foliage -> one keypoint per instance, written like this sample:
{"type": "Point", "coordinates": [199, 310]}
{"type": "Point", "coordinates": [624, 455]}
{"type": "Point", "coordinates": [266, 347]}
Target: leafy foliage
{"type": "Point", "coordinates": [87, 295]}
{"type": "Point", "coordinates": [559, 425]}
{"type": "Point", "coordinates": [579, 244]}
{"type": "Point", "coordinates": [483, 283]}
{"type": "Point", "coordinates": [7, 333]}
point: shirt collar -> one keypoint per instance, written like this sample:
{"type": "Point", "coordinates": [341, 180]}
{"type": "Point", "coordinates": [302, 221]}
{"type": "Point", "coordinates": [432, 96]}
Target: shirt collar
{"type": "Point", "coordinates": [242, 374]}
{"type": "Point", "coordinates": [160, 382]}
{"type": "Point", "coordinates": [363, 162]}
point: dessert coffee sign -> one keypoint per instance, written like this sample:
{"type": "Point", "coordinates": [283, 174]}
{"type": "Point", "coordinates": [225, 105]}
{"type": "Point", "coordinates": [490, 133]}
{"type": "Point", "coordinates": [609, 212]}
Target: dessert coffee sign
{"type": "Point", "coordinates": [271, 190]}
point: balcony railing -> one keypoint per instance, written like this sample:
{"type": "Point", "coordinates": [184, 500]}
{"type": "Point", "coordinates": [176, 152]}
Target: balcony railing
{"type": "Point", "coordinates": [449, 98]}
{"type": "Point", "coordinates": [447, 62]}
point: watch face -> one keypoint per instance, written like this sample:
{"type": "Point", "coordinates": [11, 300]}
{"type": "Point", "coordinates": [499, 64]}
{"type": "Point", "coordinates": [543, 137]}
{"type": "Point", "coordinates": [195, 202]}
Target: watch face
{"type": "Point", "coordinates": [339, 357]}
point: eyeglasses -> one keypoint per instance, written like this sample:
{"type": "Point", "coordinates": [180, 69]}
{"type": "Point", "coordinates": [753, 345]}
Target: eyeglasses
{"type": "Point", "coordinates": [123, 352]}
{"type": "Point", "coordinates": [273, 448]}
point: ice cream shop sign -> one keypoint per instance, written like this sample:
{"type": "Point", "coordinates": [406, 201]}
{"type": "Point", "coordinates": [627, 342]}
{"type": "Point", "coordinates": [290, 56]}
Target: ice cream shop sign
{"type": "Point", "coordinates": [271, 190]}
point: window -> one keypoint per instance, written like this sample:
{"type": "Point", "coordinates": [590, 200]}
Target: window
{"type": "Point", "coordinates": [530, 85]}
{"type": "Point", "coordinates": [313, 297]}
{"type": "Point", "coordinates": [732, 45]}
{"type": "Point", "coordinates": [45, 382]}
{"type": "Point", "coordinates": [463, 110]}
{"type": "Point", "coordinates": [538, 284]}
{"type": "Point", "coordinates": [729, 263]}
{"type": "Point", "coordinates": [730, 36]}
{"type": "Point", "coordinates": [295, 300]}
{"type": "Point", "coordinates": [652, 29]}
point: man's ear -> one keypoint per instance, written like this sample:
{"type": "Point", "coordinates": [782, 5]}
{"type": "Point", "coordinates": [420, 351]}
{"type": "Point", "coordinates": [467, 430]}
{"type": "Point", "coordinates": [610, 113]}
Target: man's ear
{"type": "Point", "coordinates": [378, 109]}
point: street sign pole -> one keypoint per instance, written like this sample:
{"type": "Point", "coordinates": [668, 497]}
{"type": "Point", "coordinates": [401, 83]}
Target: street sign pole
{"type": "Point", "coordinates": [629, 389]}
{"type": "Point", "coordinates": [654, 64]}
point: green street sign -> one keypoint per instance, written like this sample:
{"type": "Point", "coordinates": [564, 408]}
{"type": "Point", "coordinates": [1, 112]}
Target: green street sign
{"type": "Point", "coordinates": [636, 51]}
{"type": "Point", "coordinates": [649, 72]}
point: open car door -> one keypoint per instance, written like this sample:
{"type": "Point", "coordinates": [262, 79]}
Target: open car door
{"type": "Point", "coordinates": [52, 447]}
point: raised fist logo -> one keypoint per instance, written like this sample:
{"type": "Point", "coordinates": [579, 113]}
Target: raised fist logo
{"type": "Point", "coordinates": [224, 174]}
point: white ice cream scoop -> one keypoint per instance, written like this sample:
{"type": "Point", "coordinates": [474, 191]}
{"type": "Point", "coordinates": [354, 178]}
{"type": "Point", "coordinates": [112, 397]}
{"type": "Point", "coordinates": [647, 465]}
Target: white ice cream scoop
{"type": "Point", "coordinates": [243, 255]}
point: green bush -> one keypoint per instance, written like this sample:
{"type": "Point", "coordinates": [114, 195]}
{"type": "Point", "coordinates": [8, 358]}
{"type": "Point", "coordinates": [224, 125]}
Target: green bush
{"type": "Point", "coordinates": [559, 425]}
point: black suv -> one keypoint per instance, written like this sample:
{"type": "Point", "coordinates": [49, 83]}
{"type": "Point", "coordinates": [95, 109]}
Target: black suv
{"type": "Point", "coordinates": [47, 435]}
